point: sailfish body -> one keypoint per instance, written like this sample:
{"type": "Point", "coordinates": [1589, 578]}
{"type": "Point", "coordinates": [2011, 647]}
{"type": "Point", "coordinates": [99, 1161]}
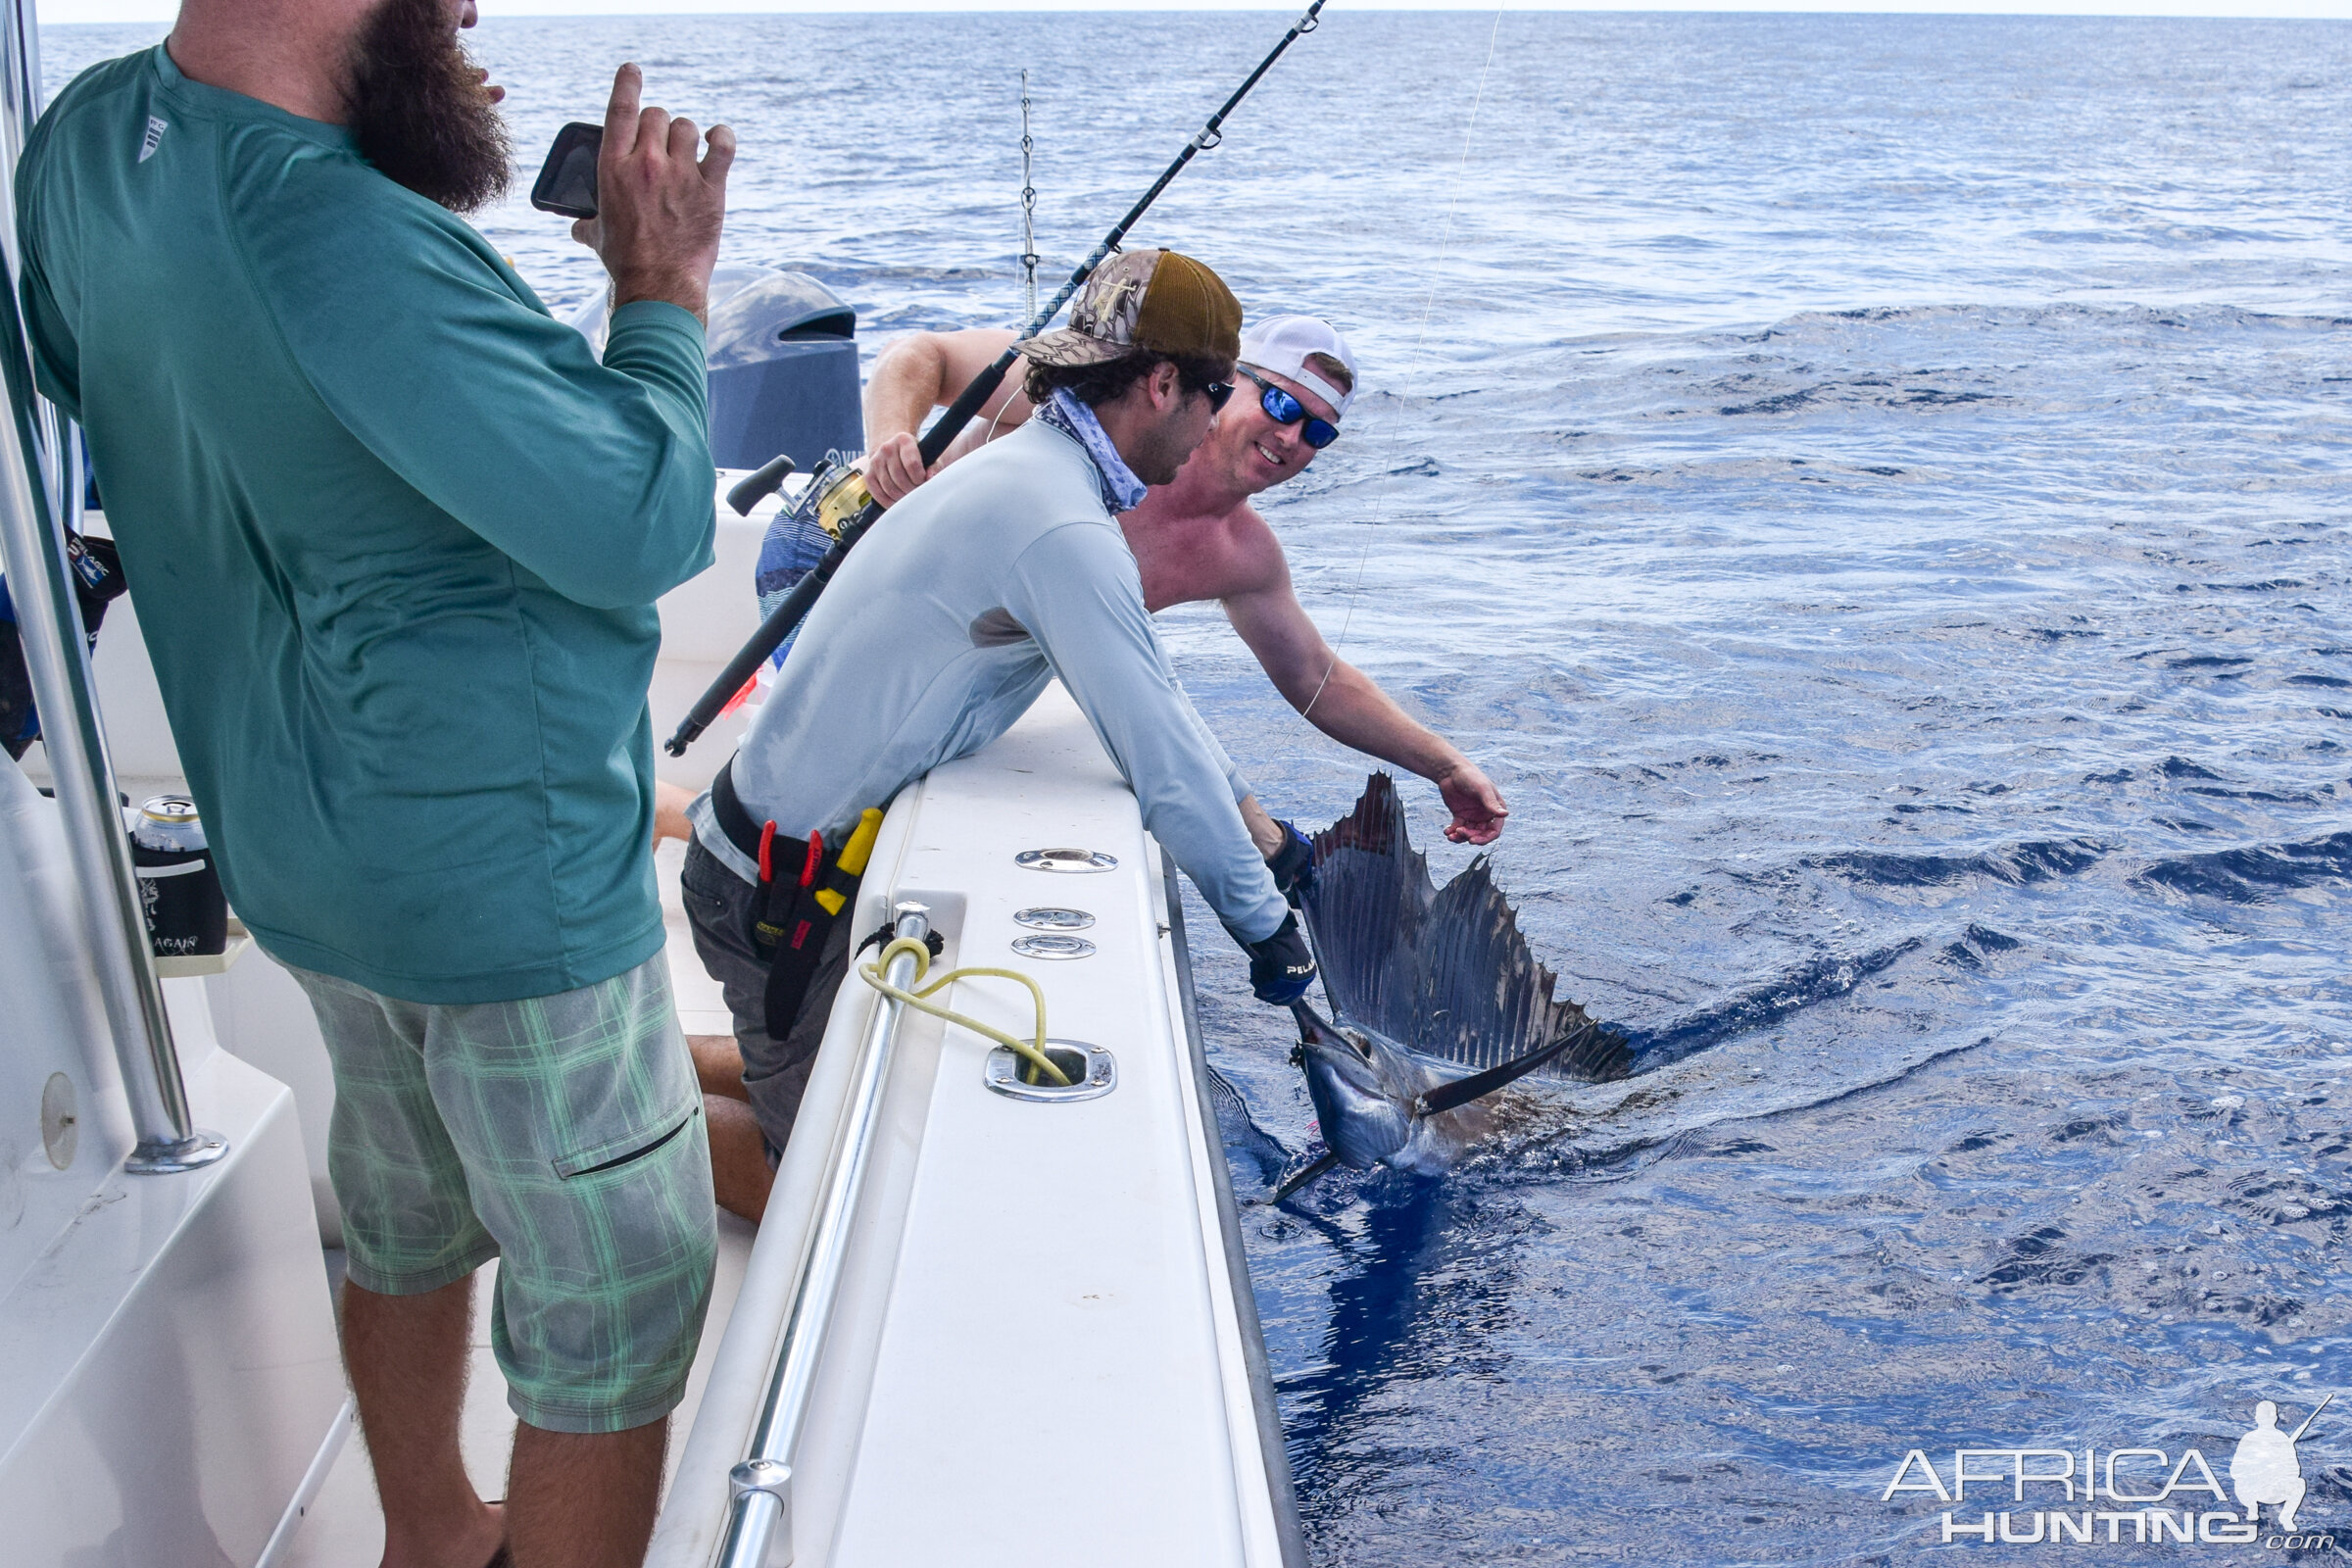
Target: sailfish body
{"type": "Point", "coordinates": [1367, 1096]}
{"type": "Point", "coordinates": [1422, 978]}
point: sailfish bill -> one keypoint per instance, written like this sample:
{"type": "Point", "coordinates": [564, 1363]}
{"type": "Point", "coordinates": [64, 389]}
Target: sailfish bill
{"type": "Point", "coordinates": [1418, 975]}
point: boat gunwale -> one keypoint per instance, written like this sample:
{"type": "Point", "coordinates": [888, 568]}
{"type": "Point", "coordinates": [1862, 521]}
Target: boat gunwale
{"type": "Point", "coordinates": [1273, 1449]}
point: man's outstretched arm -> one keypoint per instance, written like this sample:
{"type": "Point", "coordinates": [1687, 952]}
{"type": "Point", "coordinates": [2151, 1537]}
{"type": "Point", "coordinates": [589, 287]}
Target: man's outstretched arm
{"type": "Point", "coordinates": [1342, 703]}
{"type": "Point", "coordinates": [917, 373]}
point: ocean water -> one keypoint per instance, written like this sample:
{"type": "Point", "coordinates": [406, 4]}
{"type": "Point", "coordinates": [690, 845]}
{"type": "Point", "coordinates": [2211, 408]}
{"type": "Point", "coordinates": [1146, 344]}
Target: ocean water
{"type": "Point", "coordinates": [1873, 493]}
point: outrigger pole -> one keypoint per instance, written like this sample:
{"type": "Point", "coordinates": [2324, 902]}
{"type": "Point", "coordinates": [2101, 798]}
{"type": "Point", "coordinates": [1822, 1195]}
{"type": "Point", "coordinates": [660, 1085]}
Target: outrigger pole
{"type": "Point", "coordinates": [788, 615]}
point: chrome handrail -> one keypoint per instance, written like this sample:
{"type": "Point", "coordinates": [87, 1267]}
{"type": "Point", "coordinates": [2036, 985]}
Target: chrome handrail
{"type": "Point", "coordinates": [760, 1489]}
{"type": "Point", "coordinates": [57, 659]}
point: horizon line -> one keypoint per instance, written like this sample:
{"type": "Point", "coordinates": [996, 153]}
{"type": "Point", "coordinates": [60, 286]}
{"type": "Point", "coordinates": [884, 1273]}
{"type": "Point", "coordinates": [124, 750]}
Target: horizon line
{"type": "Point", "coordinates": [126, 12]}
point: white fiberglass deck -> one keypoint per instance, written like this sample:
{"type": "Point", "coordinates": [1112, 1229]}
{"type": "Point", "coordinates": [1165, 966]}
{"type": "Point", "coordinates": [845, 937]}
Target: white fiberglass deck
{"type": "Point", "coordinates": [343, 1526]}
{"type": "Point", "coordinates": [1036, 1357]}
{"type": "Point", "coordinates": [1039, 1355]}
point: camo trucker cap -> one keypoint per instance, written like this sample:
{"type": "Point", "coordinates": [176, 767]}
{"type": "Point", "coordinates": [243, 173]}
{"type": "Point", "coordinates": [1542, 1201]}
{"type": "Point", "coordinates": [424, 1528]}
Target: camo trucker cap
{"type": "Point", "coordinates": [1159, 301]}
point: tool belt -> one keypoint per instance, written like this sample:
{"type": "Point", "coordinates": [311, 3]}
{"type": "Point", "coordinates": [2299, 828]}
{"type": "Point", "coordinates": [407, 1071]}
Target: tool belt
{"type": "Point", "coordinates": [803, 891]}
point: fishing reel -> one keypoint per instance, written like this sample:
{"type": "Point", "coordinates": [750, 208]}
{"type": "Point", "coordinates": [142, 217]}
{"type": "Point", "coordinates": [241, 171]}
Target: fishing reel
{"type": "Point", "coordinates": [800, 535]}
{"type": "Point", "coordinates": [836, 494]}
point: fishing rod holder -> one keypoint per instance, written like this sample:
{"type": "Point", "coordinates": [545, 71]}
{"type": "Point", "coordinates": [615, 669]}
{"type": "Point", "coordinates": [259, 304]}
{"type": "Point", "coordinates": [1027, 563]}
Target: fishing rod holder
{"type": "Point", "coordinates": [1091, 1070]}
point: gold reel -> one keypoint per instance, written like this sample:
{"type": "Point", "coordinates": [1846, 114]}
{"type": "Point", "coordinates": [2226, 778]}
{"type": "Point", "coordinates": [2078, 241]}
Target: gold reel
{"type": "Point", "coordinates": [837, 493]}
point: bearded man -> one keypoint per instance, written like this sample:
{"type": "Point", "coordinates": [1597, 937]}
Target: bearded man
{"type": "Point", "coordinates": [396, 536]}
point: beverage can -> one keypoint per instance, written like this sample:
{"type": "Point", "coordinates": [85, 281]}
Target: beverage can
{"type": "Point", "coordinates": [179, 887]}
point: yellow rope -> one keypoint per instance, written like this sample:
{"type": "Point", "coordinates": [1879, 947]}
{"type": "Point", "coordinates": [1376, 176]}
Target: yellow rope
{"type": "Point", "coordinates": [1034, 1053]}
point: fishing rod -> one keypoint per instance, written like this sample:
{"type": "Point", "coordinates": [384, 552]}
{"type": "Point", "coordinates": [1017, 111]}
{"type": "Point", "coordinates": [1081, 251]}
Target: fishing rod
{"type": "Point", "coordinates": [847, 494]}
{"type": "Point", "coordinates": [1029, 256]}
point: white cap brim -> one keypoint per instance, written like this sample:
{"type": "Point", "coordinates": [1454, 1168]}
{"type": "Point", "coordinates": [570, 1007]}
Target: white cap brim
{"type": "Point", "coordinates": [1282, 343]}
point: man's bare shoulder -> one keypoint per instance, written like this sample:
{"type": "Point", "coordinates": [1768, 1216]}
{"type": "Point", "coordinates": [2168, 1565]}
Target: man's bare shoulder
{"type": "Point", "coordinates": [1257, 559]}
{"type": "Point", "coordinates": [1189, 556]}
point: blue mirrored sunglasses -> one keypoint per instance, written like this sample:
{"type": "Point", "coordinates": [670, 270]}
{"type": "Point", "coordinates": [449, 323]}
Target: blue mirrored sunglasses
{"type": "Point", "coordinates": [1283, 409]}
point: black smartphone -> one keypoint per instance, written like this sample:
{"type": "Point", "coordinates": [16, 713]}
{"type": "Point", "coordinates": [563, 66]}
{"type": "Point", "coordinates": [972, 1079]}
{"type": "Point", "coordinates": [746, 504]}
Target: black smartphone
{"type": "Point", "coordinates": [566, 181]}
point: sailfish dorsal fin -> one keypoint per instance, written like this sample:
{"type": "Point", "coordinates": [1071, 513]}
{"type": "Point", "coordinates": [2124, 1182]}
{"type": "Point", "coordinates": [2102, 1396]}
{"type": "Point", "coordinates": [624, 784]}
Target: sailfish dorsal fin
{"type": "Point", "coordinates": [1442, 970]}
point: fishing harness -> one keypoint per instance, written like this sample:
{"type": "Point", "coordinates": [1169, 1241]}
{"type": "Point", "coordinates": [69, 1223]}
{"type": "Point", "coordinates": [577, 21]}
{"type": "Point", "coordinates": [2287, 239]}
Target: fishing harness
{"type": "Point", "coordinates": [802, 892]}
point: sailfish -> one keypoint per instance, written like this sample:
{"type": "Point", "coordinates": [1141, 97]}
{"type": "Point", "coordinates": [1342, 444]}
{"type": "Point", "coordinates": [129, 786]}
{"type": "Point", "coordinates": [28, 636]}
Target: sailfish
{"type": "Point", "coordinates": [1421, 979]}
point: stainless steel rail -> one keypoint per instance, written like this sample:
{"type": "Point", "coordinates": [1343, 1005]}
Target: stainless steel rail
{"type": "Point", "coordinates": [35, 471]}
{"type": "Point", "coordinates": [760, 1489]}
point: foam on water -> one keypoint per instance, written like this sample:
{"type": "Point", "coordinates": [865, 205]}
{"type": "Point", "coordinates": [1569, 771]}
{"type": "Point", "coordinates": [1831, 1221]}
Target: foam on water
{"type": "Point", "coordinates": [1873, 493]}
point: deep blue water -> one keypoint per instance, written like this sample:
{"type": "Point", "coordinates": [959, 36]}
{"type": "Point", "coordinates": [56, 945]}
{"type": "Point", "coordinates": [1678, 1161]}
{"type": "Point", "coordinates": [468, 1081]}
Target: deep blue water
{"type": "Point", "coordinates": [1873, 492]}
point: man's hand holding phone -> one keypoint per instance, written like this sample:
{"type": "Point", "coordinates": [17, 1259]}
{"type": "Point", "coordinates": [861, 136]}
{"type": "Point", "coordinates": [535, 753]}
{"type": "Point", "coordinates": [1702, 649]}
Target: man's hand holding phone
{"type": "Point", "coordinates": [658, 210]}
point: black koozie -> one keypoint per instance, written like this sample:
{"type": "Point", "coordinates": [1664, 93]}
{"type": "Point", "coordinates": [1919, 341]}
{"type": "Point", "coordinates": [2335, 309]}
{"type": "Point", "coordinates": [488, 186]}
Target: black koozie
{"type": "Point", "coordinates": [180, 890]}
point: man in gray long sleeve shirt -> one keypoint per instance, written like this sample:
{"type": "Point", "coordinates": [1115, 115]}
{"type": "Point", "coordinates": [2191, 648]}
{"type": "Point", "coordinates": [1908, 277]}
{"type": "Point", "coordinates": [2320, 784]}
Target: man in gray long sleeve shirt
{"type": "Point", "coordinates": [938, 633]}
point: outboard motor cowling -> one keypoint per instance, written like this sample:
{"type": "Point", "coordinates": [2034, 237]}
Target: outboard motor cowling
{"type": "Point", "coordinates": [782, 357]}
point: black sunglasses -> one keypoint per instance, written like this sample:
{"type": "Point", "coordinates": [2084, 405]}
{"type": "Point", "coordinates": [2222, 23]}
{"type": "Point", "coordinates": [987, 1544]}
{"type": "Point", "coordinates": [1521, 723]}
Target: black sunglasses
{"type": "Point", "coordinates": [1218, 393]}
{"type": "Point", "coordinates": [1283, 409]}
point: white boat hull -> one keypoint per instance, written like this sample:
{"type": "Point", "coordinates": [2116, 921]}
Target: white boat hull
{"type": "Point", "coordinates": [171, 1382]}
{"type": "Point", "coordinates": [1037, 1356]}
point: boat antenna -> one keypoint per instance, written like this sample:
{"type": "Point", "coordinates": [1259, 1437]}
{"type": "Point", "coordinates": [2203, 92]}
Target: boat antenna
{"type": "Point", "coordinates": [1029, 257]}
{"type": "Point", "coordinates": [787, 616]}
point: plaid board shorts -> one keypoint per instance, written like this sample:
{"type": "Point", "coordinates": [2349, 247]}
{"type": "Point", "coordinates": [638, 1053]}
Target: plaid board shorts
{"type": "Point", "coordinates": [561, 1135]}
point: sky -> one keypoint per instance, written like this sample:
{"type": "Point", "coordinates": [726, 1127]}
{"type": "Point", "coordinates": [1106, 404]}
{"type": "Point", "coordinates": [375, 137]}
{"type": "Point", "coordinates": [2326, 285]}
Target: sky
{"type": "Point", "coordinates": [55, 12]}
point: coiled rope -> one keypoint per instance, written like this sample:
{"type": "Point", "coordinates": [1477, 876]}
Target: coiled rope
{"type": "Point", "coordinates": [1032, 1052]}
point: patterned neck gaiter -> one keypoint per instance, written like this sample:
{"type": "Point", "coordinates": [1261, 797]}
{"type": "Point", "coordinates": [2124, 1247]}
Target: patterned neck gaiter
{"type": "Point", "coordinates": [1122, 491]}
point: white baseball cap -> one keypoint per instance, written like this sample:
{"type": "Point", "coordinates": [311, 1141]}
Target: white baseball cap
{"type": "Point", "coordinates": [1282, 343]}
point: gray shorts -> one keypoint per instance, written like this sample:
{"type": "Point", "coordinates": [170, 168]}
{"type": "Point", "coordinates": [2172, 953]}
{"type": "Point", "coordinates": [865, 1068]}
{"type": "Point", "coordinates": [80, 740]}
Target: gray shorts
{"type": "Point", "coordinates": [775, 1073]}
{"type": "Point", "coordinates": [561, 1135]}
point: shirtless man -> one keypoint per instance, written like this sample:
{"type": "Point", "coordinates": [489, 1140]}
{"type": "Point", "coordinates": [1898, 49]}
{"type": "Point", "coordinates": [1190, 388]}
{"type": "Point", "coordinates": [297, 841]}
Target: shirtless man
{"type": "Point", "coordinates": [1019, 536]}
{"type": "Point", "coordinates": [1198, 537]}
{"type": "Point", "coordinates": [1193, 538]}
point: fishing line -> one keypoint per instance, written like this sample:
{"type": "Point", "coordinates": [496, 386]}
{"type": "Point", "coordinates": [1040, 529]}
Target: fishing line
{"type": "Point", "coordinates": [844, 507]}
{"type": "Point", "coordinates": [1428, 304]}
{"type": "Point", "coordinates": [1029, 257]}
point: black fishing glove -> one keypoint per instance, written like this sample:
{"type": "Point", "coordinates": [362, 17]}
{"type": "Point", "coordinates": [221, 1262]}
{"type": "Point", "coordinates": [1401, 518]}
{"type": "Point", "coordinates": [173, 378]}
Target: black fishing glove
{"type": "Point", "coordinates": [1293, 864]}
{"type": "Point", "coordinates": [1281, 967]}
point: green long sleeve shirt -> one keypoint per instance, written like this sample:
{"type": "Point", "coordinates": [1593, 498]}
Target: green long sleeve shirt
{"type": "Point", "coordinates": [393, 533]}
